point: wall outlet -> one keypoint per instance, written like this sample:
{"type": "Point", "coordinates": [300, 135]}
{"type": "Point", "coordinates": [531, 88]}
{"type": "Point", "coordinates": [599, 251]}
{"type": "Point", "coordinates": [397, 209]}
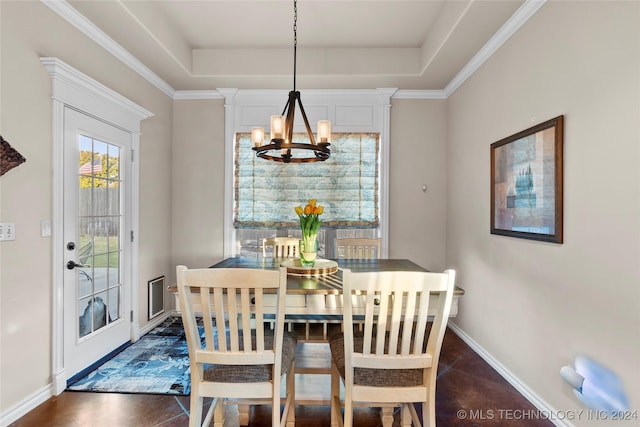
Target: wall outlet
{"type": "Point", "coordinates": [7, 231]}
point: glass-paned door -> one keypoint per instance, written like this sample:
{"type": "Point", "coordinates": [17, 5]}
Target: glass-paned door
{"type": "Point", "coordinates": [97, 287]}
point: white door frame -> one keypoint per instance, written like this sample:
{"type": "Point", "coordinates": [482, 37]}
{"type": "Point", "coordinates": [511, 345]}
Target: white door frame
{"type": "Point", "coordinates": [75, 89]}
{"type": "Point", "coordinates": [86, 347]}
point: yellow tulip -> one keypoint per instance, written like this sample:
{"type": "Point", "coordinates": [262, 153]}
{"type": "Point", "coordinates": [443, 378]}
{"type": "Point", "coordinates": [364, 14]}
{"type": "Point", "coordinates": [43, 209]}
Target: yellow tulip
{"type": "Point", "coordinates": [312, 203]}
{"type": "Point", "coordinates": [299, 210]}
{"type": "Point", "coordinates": [308, 209]}
{"type": "Point", "coordinates": [318, 210]}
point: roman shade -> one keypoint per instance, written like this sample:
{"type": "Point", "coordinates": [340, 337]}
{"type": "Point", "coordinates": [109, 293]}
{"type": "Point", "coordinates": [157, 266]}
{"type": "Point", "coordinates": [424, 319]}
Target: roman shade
{"type": "Point", "coordinates": [346, 184]}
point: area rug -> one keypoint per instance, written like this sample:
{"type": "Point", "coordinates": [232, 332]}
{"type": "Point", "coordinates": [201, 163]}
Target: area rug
{"type": "Point", "coordinates": [158, 363]}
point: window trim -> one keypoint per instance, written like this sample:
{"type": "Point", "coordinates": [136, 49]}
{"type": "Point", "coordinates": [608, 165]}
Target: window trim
{"type": "Point", "coordinates": [348, 110]}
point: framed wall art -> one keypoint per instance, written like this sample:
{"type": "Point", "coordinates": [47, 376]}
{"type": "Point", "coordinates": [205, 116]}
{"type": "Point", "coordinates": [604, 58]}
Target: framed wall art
{"type": "Point", "coordinates": [9, 157]}
{"type": "Point", "coordinates": [526, 183]}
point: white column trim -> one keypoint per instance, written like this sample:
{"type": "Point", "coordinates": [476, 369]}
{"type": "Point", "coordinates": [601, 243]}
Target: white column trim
{"type": "Point", "coordinates": [229, 232]}
{"type": "Point", "coordinates": [58, 377]}
{"type": "Point", "coordinates": [385, 141]}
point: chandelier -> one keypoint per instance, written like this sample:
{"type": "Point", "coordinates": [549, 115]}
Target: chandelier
{"type": "Point", "coordinates": [281, 148]}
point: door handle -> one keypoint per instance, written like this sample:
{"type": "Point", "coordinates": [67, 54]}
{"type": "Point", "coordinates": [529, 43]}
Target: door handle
{"type": "Point", "coordinates": [72, 264]}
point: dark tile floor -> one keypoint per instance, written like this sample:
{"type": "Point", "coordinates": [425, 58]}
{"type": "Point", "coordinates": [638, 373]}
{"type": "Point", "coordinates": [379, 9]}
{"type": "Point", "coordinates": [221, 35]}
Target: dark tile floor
{"type": "Point", "coordinates": [469, 393]}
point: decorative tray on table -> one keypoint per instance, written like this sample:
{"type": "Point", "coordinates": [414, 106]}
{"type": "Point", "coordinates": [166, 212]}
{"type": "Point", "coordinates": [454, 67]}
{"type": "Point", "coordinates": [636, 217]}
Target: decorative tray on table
{"type": "Point", "coordinates": [322, 267]}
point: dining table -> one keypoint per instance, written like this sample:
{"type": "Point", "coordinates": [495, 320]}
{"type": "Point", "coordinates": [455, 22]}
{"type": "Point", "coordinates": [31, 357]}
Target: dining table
{"type": "Point", "coordinates": [313, 309]}
{"type": "Point", "coordinates": [313, 301]}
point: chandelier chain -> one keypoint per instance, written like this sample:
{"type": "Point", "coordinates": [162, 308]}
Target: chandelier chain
{"type": "Point", "coordinates": [295, 40]}
{"type": "Point", "coordinates": [281, 146]}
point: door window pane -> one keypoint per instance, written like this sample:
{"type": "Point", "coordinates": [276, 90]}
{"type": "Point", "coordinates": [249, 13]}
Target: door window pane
{"type": "Point", "coordinates": [99, 225]}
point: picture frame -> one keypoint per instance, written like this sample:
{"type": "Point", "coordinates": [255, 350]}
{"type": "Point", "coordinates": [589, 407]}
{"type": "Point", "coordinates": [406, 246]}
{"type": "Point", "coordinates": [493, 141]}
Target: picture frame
{"type": "Point", "coordinates": [527, 183]}
{"type": "Point", "coordinates": [156, 297]}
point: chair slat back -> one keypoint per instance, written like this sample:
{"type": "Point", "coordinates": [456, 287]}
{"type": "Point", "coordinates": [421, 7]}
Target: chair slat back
{"type": "Point", "coordinates": [395, 317]}
{"type": "Point", "coordinates": [232, 304]}
{"type": "Point", "coordinates": [282, 247]}
{"type": "Point", "coordinates": [358, 248]}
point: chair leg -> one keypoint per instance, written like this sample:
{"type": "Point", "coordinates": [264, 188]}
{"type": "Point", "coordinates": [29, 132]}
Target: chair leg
{"type": "Point", "coordinates": [195, 409]}
{"type": "Point", "coordinates": [406, 415]}
{"type": "Point", "coordinates": [218, 412]}
{"type": "Point", "coordinates": [429, 414]}
{"type": "Point", "coordinates": [348, 405]}
{"type": "Point", "coordinates": [414, 415]}
{"type": "Point", "coordinates": [291, 395]}
{"type": "Point", "coordinates": [335, 396]}
{"type": "Point", "coordinates": [243, 414]}
{"type": "Point", "coordinates": [348, 412]}
{"type": "Point", "coordinates": [386, 416]}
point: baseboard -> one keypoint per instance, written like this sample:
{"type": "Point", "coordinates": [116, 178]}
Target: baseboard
{"type": "Point", "coordinates": [22, 408]}
{"type": "Point", "coordinates": [157, 321]}
{"type": "Point", "coordinates": [72, 380]}
{"type": "Point", "coordinates": [522, 388]}
{"type": "Point", "coordinates": [41, 396]}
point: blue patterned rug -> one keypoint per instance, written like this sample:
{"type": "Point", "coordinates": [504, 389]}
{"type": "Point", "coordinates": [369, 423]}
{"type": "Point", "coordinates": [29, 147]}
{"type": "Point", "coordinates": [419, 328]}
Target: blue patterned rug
{"type": "Point", "coordinates": [158, 363]}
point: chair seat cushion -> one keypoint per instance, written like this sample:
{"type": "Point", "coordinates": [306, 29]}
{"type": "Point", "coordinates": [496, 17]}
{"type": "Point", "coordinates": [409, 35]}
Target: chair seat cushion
{"type": "Point", "coordinates": [369, 376]}
{"type": "Point", "coordinates": [254, 373]}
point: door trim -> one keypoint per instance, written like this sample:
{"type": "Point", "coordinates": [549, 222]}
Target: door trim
{"type": "Point", "coordinates": [71, 88]}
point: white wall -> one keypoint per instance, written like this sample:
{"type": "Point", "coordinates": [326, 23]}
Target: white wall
{"type": "Point", "coordinates": [418, 157]}
{"type": "Point", "coordinates": [30, 30]}
{"type": "Point", "coordinates": [535, 306]}
{"type": "Point", "coordinates": [197, 162]}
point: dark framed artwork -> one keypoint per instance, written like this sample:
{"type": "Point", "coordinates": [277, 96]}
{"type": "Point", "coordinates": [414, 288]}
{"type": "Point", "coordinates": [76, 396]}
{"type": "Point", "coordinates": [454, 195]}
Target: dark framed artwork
{"type": "Point", "coordinates": [156, 297]}
{"type": "Point", "coordinates": [526, 183]}
{"type": "Point", "coordinates": [9, 157]}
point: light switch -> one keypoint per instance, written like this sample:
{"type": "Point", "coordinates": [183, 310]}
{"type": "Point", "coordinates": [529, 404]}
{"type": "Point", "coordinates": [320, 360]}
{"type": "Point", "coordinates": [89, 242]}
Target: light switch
{"type": "Point", "coordinates": [45, 228]}
{"type": "Point", "coordinates": [7, 231]}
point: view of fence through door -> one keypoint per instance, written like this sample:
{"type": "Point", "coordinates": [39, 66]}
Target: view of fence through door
{"type": "Point", "coordinates": [97, 241]}
{"type": "Point", "coordinates": [99, 224]}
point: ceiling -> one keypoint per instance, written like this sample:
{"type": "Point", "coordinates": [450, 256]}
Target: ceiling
{"type": "Point", "coordinates": [209, 44]}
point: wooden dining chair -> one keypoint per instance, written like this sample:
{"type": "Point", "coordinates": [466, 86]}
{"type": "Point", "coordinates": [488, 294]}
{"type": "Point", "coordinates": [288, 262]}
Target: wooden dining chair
{"type": "Point", "coordinates": [239, 357]}
{"type": "Point", "coordinates": [282, 247]}
{"type": "Point", "coordinates": [394, 361]}
{"type": "Point", "coordinates": [358, 248]}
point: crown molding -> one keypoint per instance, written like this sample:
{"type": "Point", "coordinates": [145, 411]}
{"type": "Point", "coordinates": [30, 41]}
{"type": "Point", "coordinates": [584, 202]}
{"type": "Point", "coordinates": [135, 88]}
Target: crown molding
{"type": "Point", "coordinates": [197, 94]}
{"type": "Point", "coordinates": [420, 94]}
{"type": "Point", "coordinates": [513, 24]}
{"type": "Point", "coordinates": [88, 28]}
{"type": "Point", "coordinates": [522, 15]}
{"type": "Point", "coordinates": [395, 93]}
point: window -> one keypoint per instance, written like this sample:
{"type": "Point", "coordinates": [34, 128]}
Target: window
{"type": "Point", "coordinates": [347, 185]}
{"type": "Point", "coordinates": [363, 113]}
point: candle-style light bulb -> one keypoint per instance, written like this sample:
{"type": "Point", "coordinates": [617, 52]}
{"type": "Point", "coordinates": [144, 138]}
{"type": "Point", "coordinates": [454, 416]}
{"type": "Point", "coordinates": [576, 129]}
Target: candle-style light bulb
{"type": "Point", "coordinates": [324, 131]}
{"type": "Point", "coordinates": [257, 136]}
{"type": "Point", "coordinates": [277, 127]}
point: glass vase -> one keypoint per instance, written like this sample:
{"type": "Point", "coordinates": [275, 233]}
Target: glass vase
{"type": "Point", "coordinates": [308, 252]}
